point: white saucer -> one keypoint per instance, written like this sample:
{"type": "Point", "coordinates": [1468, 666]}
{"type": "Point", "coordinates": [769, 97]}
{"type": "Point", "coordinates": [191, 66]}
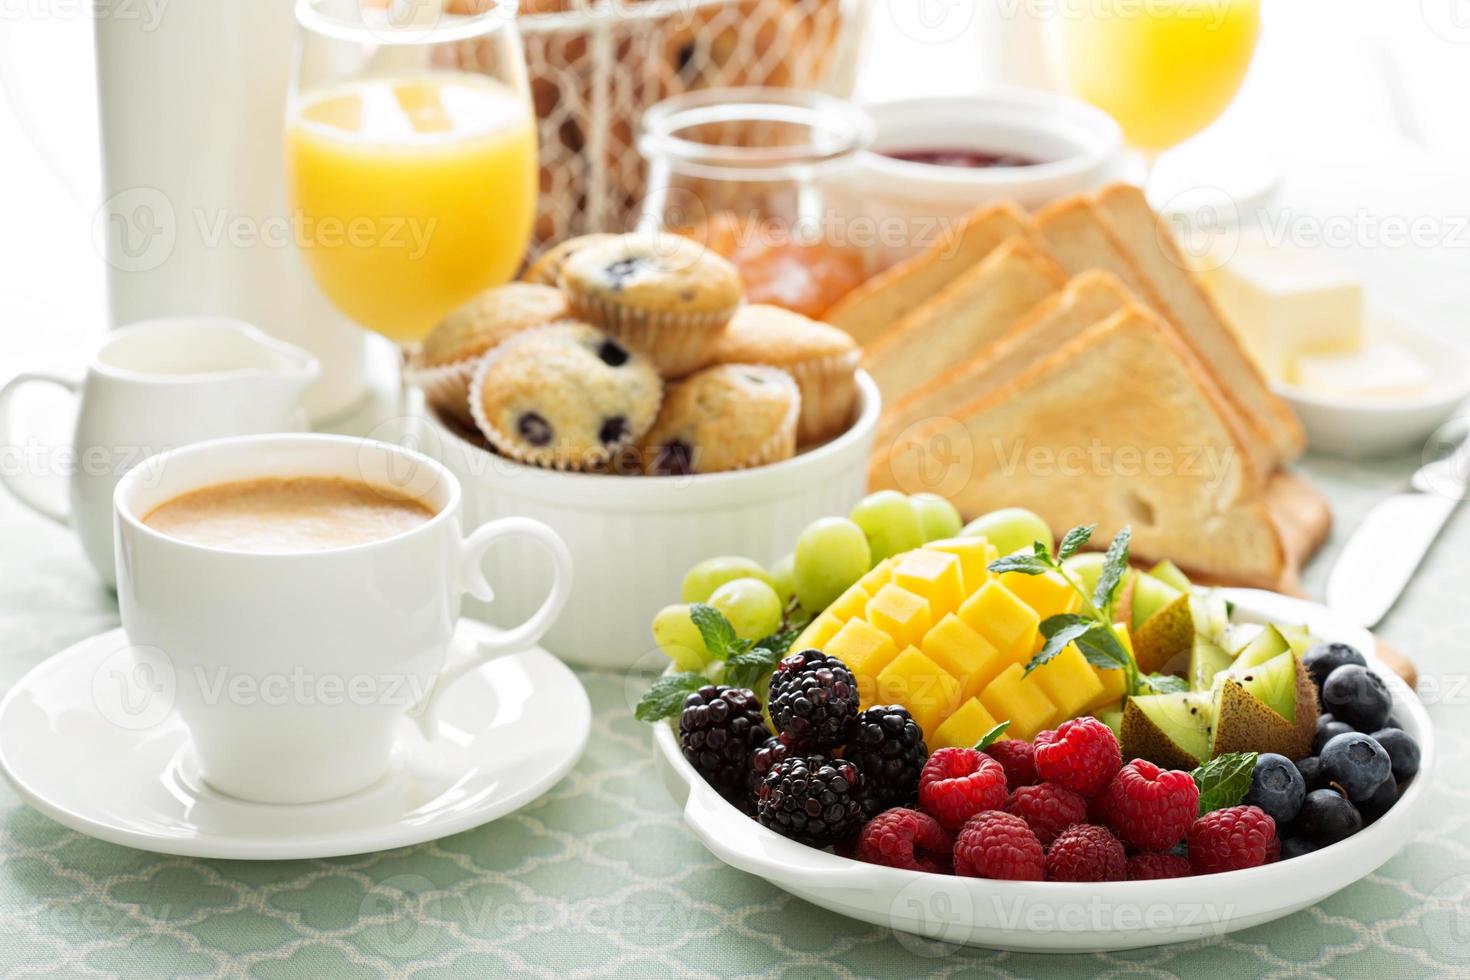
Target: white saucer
{"type": "Point", "coordinates": [505, 734]}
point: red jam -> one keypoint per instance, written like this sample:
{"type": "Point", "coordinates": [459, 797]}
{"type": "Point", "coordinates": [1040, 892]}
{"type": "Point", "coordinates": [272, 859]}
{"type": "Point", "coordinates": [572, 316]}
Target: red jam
{"type": "Point", "coordinates": [955, 157]}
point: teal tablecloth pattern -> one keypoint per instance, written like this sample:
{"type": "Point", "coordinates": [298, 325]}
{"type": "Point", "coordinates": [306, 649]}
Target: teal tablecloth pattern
{"type": "Point", "coordinates": [599, 878]}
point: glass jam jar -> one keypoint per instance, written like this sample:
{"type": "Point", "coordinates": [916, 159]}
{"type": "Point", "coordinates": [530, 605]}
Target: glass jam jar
{"type": "Point", "coordinates": [742, 170]}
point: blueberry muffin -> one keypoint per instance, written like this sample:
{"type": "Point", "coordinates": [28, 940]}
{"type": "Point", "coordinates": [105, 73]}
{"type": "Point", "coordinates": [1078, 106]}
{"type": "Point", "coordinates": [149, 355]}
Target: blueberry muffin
{"type": "Point", "coordinates": [546, 270]}
{"type": "Point", "coordinates": [565, 396]}
{"type": "Point", "coordinates": [663, 294]}
{"type": "Point", "coordinates": [727, 417]}
{"type": "Point", "coordinates": [446, 360]}
{"type": "Point", "coordinates": [821, 358]}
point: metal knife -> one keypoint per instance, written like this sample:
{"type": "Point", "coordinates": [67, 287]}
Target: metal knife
{"type": "Point", "coordinates": [1386, 549]}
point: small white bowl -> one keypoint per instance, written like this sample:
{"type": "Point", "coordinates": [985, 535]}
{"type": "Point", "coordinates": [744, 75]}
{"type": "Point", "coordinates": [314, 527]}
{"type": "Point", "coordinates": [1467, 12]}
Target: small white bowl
{"type": "Point", "coordinates": [633, 538]}
{"type": "Point", "coordinates": [1063, 917]}
{"type": "Point", "coordinates": [1081, 145]}
{"type": "Point", "coordinates": [1358, 428]}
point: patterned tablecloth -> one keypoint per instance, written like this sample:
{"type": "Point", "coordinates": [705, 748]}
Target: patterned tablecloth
{"type": "Point", "coordinates": [599, 878]}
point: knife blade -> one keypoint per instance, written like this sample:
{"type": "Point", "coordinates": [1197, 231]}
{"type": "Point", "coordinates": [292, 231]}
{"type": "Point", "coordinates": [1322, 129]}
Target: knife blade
{"type": "Point", "coordinates": [1382, 555]}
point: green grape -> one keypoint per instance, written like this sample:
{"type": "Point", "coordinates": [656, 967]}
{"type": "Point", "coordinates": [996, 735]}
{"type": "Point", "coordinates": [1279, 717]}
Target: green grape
{"type": "Point", "coordinates": [751, 606]}
{"type": "Point", "coordinates": [677, 636]}
{"type": "Point", "coordinates": [937, 516]}
{"type": "Point", "coordinates": [1086, 568]}
{"type": "Point", "coordinates": [1010, 530]}
{"type": "Point", "coordinates": [712, 573]}
{"type": "Point", "coordinates": [890, 522]}
{"type": "Point", "coordinates": [831, 555]}
{"type": "Point", "coordinates": [783, 577]}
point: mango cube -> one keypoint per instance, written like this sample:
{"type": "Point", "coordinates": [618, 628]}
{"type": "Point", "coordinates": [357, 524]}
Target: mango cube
{"type": "Point", "coordinates": [817, 633]}
{"type": "Point", "coordinates": [901, 614]}
{"type": "Point", "coordinates": [975, 555]}
{"type": "Point", "coordinates": [961, 730]}
{"type": "Point", "coordinates": [1007, 622]}
{"type": "Point", "coordinates": [935, 575]}
{"type": "Point", "coordinates": [967, 655]}
{"type": "Point", "coordinates": [850, 604]}
{"type": "Point", "coordinates": [1069, 681]}
{"type": "Point", "coordinates": [1048, 594]}
{"type": "Point", "coordinates": [920, 685]}
{"type": "Point", "coordinates": [880, 576]}
{"type": "Point", "coordinates": [863, 647]}
{"type": "Point", "coordinates": [1016, 697]}
{"type": "Point", "coordinates": [1114, 682]}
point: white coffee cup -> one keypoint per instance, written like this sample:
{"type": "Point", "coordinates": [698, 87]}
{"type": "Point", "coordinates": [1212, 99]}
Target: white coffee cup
{"type": "Point", "coordinates": [292, 672]}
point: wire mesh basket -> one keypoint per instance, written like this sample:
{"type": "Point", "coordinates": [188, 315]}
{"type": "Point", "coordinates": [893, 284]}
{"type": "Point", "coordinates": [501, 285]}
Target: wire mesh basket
{"type": "Point", "coordinates": [595, 68]}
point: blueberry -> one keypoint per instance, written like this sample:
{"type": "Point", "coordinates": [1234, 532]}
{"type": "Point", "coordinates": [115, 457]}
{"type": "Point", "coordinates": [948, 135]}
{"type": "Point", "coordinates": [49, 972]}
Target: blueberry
{"type": "Point", "coordinates": [675, 458]}
{"type": "Point", "coordinates": [1381, 801]}
{"type": "Point", "coordinates": [612, 353]}
{"type": "Point", "coordinates": [1356, 695]}
{"type": "Point", "coordinates": [534, 429]}
{"type": "Point", "coordinates": [614, 430]}
{"type": "Point", "coordinates": [1295, 847]}
{"type": "Point", "coordinates": [1276, 787]}
{"type": "Point", "coordinates": [1312, 775]}
{"type": "Point", "coordinates": [1327, 817]}
{"type": "Point", "coordinates": [1357, 763]}
{"type": "Point", "coordinates": [1327, 728]}
{"type": "Point", "coordinates": [1324, 658]}
{"type": "Point", "coordinates": [1402, 750]}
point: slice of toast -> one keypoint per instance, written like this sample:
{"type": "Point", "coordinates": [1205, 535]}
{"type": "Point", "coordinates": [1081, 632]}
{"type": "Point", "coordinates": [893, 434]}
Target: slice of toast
{"type": "Point", "coordinates": [883, 300]}
{"type": "Point", "coordinates": [970, 313]}
{"type": "Point", "coordinates": [1121, 426]}
{"type": "Point", "coordinates": [1182, 300]}
{"type": "Point", "coordinates": [1087, 299]}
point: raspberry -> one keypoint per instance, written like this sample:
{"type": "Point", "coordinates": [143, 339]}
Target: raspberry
{"type": "Point", "coordinates": [1017, 758]}
{"type": "Point", "coordinates": [1150, 867]}
{"type": "Point", "coordinates": [814, 700]}
{"type": "Point", "coordinates": [956, 784]}
{"type": "Point", "coordinates": [1047, 809]}
{"type": "Point", "coordinates": [888, 749]}
{"type": "Point", "coordinates": [1273, 849]}
{"type": "Point", "coordinates": [719, 727]}
{"type": "Point", "coordinates": [1082, 755]}
{"type": "Point", "coordinates": [903, 838]}
{"type": "Point", "coordinates": [813, 801]}
{"type": "Point", "coordinates": [1230, 839]}
{"type": "Point", "coordinates": [996, 844]}
{"type": "Point", "coordinates": [1151, 808]}
{"type": "Point", "coordinates": [1086, 852]}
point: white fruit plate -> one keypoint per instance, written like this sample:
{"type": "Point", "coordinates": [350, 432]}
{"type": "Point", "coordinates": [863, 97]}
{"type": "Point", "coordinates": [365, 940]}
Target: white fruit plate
{"type": "Point", "coordinates": [1058, 917]}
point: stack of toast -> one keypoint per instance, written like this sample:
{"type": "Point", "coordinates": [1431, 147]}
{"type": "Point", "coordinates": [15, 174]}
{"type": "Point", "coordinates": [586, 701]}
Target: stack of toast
{"type": "Point", "coordinates": [1070, 362]}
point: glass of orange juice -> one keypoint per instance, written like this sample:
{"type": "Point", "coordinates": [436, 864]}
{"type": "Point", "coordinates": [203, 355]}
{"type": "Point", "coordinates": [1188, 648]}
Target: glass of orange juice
{"type": "Point", "coordinates": [1164, 69]}
{"type": "Point", "coordinates": [410, 155]}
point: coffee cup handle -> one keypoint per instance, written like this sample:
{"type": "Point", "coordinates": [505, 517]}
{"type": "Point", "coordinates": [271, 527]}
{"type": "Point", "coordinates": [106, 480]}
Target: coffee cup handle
{"type": "Point", "coordinates": [19, 487]}
{"type": "Point", "coordinates": [472, 572]}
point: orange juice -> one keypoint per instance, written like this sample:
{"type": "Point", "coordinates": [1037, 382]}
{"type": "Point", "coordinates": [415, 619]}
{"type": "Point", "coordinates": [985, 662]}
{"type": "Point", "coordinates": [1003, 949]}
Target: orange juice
{"type": "Point", "coordinates": [411, 194]}
{"type": "Point", "coordinates": [1166, 69]}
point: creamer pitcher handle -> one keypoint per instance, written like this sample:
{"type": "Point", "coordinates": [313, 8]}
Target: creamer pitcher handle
{"type": "Point", "coordinates": [20, 484]}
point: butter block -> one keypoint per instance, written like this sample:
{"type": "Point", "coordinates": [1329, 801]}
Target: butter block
{"type": "Point", "coordinates": [1380, 370]}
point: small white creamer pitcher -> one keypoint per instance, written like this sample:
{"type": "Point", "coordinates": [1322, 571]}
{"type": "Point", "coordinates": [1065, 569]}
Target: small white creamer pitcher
{"type": "Point", "coordinates": [151, 387]}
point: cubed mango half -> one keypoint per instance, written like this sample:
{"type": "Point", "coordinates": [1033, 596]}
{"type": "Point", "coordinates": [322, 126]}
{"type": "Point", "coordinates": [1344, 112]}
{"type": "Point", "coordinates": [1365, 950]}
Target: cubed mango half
{"type": "Point", "coordinates": [967, 655]}
{"type": "Point", "coordinates": [1069, 681]}
{"type": "Point", "coordinates": [862, 646]}
{"type": "Point", "coordinates": [1048, 594]}
{"type": "Point", "coordinates": [935, 575]}
{"type": "Point", "coordinates": [998, 615]}
{"type": "Point", "coordinates": [927, 690]}
{"type": "Point", "coordinates": [818, 633]}
{"type": "Point", "coordinates": [975, 555]}
{"type": "Point", "coordinates": [850, 604]}
{"type": "Point", "coordinates": [901, 614]}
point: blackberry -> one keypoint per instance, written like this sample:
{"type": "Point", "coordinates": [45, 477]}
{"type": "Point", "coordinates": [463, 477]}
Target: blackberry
{"type": "Point", "coordinates": [719, 728]}
{"type": "Point", "coordinates": [812, 800]}
{"type": "Point", "coordinates": [888, 748]}
{"type": "Point", "coordinates": [762, 760]}
{"type": "Point", "coordinates": [814, 701]}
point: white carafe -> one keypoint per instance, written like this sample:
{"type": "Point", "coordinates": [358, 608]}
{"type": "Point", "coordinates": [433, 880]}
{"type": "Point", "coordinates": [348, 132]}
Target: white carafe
{"type": "Point", "coordinates": [192, 105]}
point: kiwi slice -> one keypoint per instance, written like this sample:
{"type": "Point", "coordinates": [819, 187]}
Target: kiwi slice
{"type": "Point", "coordinates": [1245, 723]}
{"type": "Point", "coordinates": [1206, 659]}
{"type": "Point", "coordinates": [1273, 683]}
{"type": "Point", "coordinates": [1172, 730]}
{"type": "Point", "coordinates": [1150, 596]}
{"type": "Point", "coordinates": [1267, 644]}
{"type": "Point", "coordinates": [1169, 573]}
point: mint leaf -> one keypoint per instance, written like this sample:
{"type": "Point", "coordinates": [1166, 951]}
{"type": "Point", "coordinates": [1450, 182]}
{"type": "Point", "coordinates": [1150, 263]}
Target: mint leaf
{"type": "Point", "coordinates": [1166, 683]}
{"type": "Point", "coordinates": [1104, 650]}
{"type": "Point", "coordinates": [1060, 631]}
{"type": "Point", "coordinates": [992, 736]}
{"type": "Point", "coordinates": [1114, 565]}
{"type": "Point", "coordinates": [719, 636]}
{"type": "Point", "coordinates": [1224, 780]}
{"type": "Point", "coordinates": [1023, 563]}
{"type": "Point", "coordinates": [1073, 541]}
{"type": "Point", "coordinates": [780, 642]}
{"type": "Point", "coordinates": [744, 669]}
{"type": "Point", "coordinates": [667, 695]}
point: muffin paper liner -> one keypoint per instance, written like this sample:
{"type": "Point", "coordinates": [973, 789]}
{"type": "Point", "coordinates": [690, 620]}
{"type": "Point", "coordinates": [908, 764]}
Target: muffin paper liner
{"type": "Point", "coordinates": [678, 344]}
{"type": "Point", "coordinates": [828, 393]}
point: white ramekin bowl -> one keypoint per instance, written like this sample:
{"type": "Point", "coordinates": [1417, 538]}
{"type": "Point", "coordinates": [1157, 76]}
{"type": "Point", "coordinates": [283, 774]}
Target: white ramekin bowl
{"type": "Point", "coordinates": [1066, 917]}
{"type": "Point", "coordinates": [903, 203]}
{"type": "Point", "coordinates": [633, 538]}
